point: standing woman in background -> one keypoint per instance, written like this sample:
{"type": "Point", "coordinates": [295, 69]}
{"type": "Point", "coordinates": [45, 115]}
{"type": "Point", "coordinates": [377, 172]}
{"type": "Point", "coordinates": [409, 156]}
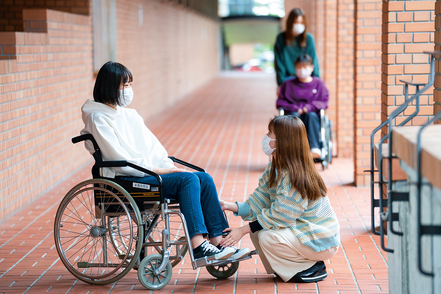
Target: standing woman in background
{"type": "Point", "coordinates": [290, 44]}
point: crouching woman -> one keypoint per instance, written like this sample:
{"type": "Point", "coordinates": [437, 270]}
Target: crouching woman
{"type": "Point", "coordinates": [292, 223]}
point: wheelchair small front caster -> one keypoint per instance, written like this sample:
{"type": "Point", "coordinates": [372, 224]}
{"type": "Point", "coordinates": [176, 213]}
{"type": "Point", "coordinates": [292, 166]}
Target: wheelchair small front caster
{"type": "Point", "coordinates": [147, 272]}
{"type": "Point", "coordinates": [223, 271]}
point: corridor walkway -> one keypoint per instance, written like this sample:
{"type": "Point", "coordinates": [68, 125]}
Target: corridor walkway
{"type": "Point", "coordinates": [220, 128]}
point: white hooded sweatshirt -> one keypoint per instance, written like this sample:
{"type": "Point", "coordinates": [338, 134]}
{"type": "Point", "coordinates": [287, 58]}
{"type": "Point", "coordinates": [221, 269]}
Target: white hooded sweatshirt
{"type": "Point", "coordinates": [122, 135]}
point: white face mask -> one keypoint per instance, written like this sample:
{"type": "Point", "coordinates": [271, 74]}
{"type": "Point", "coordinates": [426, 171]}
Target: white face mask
{"type": "Point", "coordinates": [266, 145]}
{"type": "Point", "coordinates": [298, 28]}
{"type": "Point", "coordinates": [126, 96]}
{"type": "Point", "coordinates": [304, 72]}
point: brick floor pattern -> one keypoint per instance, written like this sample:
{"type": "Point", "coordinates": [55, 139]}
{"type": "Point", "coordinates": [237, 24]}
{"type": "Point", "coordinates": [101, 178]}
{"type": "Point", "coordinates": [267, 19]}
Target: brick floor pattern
{"type": "Point", "coordinates": [219, 127]}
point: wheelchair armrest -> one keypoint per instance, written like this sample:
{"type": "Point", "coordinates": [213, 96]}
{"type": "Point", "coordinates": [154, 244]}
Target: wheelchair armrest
{"type": "Point", "coordinates": [184, 163]}
{"type": "Point", "coordinates": [123, 163]}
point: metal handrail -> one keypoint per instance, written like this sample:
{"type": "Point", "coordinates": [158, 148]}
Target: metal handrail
{"type": "Point", "coordinates": [389, 182]}
{"type": "Point", "coordinates": [372, 170]}
{"type": "Point", "coordinates": [388, 215]}
{"type": "Point", "coordinates": [423, 229]}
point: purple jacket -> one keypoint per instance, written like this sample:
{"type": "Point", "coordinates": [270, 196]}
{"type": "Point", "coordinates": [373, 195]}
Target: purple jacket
{"type": "Point", "coordinates": [295, 95]}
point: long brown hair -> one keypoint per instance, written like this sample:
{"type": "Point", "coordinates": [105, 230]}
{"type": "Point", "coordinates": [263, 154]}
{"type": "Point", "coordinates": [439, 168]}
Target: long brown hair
{"type": "Point", "coordinates": [293, 15]}
{"type": "Point", "coordinates": [293, 155]}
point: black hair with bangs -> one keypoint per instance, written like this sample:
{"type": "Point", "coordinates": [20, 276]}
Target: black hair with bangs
{"type": "Point", "coordinates": [304, 58]}
{"type": "Point", "coordinates": [108, 81]}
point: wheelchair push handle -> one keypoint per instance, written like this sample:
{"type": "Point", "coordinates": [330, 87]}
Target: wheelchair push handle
{"type": "Point", "coordinates": [85, 137]}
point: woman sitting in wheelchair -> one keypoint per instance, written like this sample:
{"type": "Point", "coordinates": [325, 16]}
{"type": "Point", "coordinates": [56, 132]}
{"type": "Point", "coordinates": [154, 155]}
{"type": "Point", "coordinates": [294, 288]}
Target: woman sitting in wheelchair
{"type": "Point", "coordinates": [122, 135]}
{"type": "Point", "coordinates": [304, 97]}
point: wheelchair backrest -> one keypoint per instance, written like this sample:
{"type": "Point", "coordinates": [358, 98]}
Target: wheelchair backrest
{"type": "Point", "coordinates": [144, 195]}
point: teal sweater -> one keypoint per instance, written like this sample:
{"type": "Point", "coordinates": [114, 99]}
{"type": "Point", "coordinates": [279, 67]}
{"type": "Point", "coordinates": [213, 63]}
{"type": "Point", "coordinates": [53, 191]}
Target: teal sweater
{"type": "Point", "coordinates": [314, 223]}
{"type": "Point", "coordinates": [285, 56]}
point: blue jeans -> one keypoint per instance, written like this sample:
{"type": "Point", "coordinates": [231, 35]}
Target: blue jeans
{"type": "Point", "coordinates": [198, 200]}
{"type": "Point", "coordinates": [311, 120]}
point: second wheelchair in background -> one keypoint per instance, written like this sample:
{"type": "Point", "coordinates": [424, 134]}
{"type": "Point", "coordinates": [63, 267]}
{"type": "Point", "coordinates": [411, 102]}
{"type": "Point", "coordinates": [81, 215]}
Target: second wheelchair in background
{"type": "Point", "coordinates": [307, 97]}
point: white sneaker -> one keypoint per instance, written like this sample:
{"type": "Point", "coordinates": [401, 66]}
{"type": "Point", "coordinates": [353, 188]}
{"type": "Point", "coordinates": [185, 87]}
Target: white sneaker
{"type": "Point", "coordinates": [238, 253]}
{"type": "Point", "coordinates": [224, 253]}
{"type": "Point", "coordinates": [316, 153]}
{"type": "Point", "coordinates": [241, 253]}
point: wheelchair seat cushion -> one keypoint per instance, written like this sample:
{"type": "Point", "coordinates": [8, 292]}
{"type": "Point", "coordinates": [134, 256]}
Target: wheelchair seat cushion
{"type": "Point", "coordinates": [145, 195]}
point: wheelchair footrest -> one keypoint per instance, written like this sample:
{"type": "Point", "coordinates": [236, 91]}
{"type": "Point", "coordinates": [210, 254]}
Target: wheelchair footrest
{"type": "Point", "coordinates": [202, 262]}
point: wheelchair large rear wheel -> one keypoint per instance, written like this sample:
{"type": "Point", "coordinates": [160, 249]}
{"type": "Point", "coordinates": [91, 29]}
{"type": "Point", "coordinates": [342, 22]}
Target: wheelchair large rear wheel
{"type": "Point", "coordinates": [96, 229]}
{"type": "Point", "coordinates": [326, 141]}
{"type": "Point", "coordinates": [329, 141]}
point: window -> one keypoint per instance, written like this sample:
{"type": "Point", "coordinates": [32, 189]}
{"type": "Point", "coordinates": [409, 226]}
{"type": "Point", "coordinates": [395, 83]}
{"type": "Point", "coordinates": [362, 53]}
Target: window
{"type": "Point", "coordinates": [104, 32]}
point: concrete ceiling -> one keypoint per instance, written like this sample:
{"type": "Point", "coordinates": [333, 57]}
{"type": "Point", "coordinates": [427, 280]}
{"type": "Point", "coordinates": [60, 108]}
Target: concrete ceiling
{"type": "Point", "coordinates": [250, 29]}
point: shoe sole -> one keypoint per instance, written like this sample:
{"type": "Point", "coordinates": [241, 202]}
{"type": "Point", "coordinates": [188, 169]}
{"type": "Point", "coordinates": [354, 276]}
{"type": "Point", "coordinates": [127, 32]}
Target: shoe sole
{"type": "Point", "coordinates": [316, 155]}
{"type": "Point", "coordinates": [226, 253]}
{"type": "Point", "coordinates": [241, 253]}
{"type": "Point", "coordinates": [314, 279]}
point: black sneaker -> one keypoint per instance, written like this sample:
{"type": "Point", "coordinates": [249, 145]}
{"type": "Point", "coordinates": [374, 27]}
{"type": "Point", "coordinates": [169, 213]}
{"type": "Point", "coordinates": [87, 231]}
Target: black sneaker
{"type": "Point", "coordinates": [207, 249]}
{"type": "Point", "coordinates": [238, 253]}
{"type": "Point", "coordinates": [315, 273]}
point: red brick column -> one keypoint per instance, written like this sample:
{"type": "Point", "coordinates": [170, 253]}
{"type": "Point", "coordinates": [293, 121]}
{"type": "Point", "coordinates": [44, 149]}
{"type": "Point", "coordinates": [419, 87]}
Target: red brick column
{"type": "Point", "coordinates": [329, 70]}
{"type": "Point", "coordinates": [367, 83]}
{"type": "Point", "coordinates": [345, 78]}
{"type": "Point", "coordinates": [319, 30]}
{"type": "Point", "coordinates": [437, 90]}
{"type": "Point", "coordinates": [332, 22]}
{"type": "Point", "coordinates": [408, 30]}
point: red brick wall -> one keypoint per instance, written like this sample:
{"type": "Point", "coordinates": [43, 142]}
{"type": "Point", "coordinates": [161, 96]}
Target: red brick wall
{"type": "Point", "coordinates": [42, 85]}
{"type": "Point", "coordinates": [47, 74]}
{"type": "Point", "coordinates": [172, 53]}
{"type": "Point", "coordinates": [11, 11]}
{"type": "Point", "coordinates": [408, 30]}
{"type": "Point", "coordinates": [367, 89]}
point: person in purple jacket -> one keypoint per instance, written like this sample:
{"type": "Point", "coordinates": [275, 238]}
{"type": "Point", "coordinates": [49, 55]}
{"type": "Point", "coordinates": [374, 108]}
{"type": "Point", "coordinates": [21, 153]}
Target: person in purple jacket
{"type": "Point", "coordinates": [304, 97]}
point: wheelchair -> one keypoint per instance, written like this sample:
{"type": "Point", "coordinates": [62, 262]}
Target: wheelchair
{"type": "Point", "coordinates": [104, 227]}
{"type": "Point", "coordinates": [325, 139]}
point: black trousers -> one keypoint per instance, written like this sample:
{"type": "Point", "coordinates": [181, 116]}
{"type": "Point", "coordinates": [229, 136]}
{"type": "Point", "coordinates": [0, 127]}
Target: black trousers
{"type": "Point", "coordinates": [311, 120]}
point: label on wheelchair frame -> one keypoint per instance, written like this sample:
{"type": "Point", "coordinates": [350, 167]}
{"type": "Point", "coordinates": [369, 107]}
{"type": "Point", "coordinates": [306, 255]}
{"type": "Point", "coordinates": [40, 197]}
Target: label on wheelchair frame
{"type": "Point", "coordinates": [141, 186]}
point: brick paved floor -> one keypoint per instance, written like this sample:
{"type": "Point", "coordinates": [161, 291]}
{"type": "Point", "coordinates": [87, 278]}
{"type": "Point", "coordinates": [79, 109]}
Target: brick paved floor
{"type": "Point", "coordinates": [220, 128]}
